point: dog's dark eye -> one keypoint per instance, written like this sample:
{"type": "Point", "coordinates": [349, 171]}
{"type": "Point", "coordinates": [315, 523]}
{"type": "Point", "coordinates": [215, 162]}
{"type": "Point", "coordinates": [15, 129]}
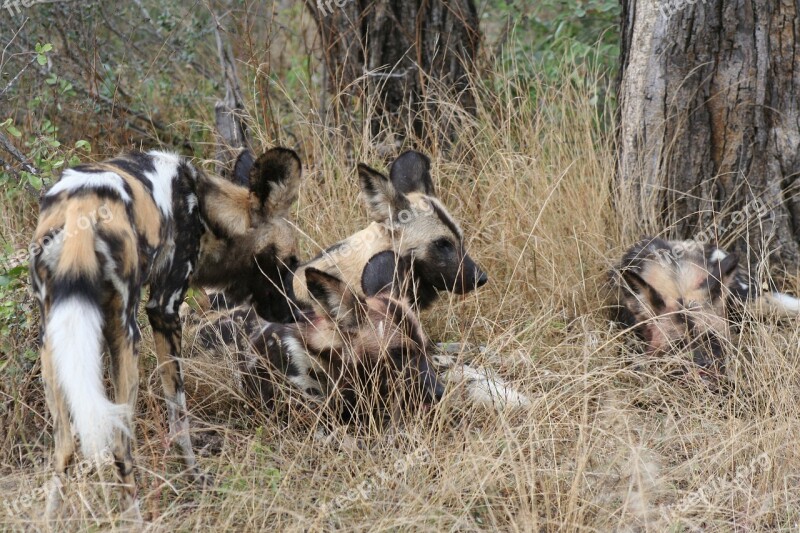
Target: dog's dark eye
{"type": "Point", "coordinates": [444, 244]}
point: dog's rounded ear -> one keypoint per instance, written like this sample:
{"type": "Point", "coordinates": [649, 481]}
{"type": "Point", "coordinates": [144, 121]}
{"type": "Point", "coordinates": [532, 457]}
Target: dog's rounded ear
{"type": "Point", "coordinates": [411, 172]}
{"type": "Point", "coordinates": [385, 272]}
{"type": "Point", "coordinates": [384, 202]}
{"type": "Point", "coordinates": [242, 167]}
{"type": "Point", "coordinates": [643, 290]}
{"type": "Point", "coordinates": [332, 297]}
{"type": "Point", "coordinates": [275, 180]}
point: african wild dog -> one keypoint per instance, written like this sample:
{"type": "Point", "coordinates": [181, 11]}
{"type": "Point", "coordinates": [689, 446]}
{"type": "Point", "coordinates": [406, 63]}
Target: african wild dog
{"type": "Point", "coordinates": [342, 350]}
{"type": "Point", "coordinates": [412, 245]}
{"type": "Point", "coordinates": [684, 296]}
{"type": "Point", "coordinates": [107, 229]}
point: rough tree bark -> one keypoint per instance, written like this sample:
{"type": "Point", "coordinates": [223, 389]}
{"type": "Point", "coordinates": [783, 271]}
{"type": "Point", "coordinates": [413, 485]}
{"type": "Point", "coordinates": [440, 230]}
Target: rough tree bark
{"type": "Point", "coordinates": [396, 51]}
{"type": "Point", "coordinates": [709, 135]}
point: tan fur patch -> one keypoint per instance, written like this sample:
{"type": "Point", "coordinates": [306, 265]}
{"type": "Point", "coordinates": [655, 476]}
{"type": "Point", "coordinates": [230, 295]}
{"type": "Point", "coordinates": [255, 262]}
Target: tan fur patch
{"type": "Point", "coordinates": [228, 205]}
{"type": "Point", "coordinates": [78, 250]}
{"type": "Point", "coordinates": [347, 261]}
{"type": "Point", "coordinates": [681, 287]}
{"type": "Point", "coordinates": [146, 213]}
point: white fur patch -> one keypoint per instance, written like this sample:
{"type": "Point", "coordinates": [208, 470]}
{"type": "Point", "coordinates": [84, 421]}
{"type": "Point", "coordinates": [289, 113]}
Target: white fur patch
{"type": "Point", "coordinates": [74, 334]}
{"type": "Point", "coordinates": [718, 255]}
{"type": "Point", "coordinates": [173, 299]}
{"type": "Point", "coordinates": [191, 202]}
{"type": "Point", "coordinates": [782, 303]}
{"type": "Point", "coordinates": [166, 172]}
{"type": "Point", "coordinates": [482, 385]}
{"type": "Point", "coordinates": [299, 358]}
{"type": "Point", "coordinates": [72, 180]}
{"type": "Point", "coordinates": [51, 250]}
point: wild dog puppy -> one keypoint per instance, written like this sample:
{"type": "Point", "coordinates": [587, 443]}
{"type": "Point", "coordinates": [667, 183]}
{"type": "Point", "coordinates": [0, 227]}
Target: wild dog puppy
{"type": "Point", "coordinates": [108, 229]}
{"type": "Point", "coordinates": [341, 352]}
{"type": "Point", "coordinates": [684, 296]}
{"type": "Point", "coordinates": [413, 244]}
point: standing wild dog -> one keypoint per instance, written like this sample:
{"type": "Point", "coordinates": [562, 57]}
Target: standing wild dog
{"type": "Point", "coordinates": [107, 229]}
{"type": "Point", "coordinates": [413, 244]}
{"type": "Point", "coordinates": [342, 351]}
{"type": "Point", "coordinates": [683, 296]}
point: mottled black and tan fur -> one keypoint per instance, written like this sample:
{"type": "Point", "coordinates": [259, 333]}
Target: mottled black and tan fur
{"type": "Point", "coordinates": [152, 219]}
{"type": "Point", "coordinates": [413, 244]}
{"type": "Point", "coordinates": [684, 296]}
{"type": "Point", "coordinates": [349, 352]}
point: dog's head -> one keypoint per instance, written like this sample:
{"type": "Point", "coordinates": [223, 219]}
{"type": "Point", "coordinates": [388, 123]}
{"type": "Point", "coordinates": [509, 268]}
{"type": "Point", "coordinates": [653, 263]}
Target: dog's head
{"type": "Point", "coordinates": [250, 246]}
{"type": "Point", "coordinates": [675, 292]}
{"type": "Point", "coordinates": [424, 232]}
{"type": "Point", "coordinates": [379, 336]}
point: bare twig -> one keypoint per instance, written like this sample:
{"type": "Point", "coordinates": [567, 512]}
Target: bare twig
{"type": "Point", "coordinates": [7, 167]}
{"type": "Point", "coordinates": [15, 78]}
{"type": "Point", "coordinates": [6, 144]}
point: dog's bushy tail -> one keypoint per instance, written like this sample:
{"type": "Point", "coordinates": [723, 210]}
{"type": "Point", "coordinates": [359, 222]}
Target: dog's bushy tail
{"type": "Point", "coordinates": [74, 336]}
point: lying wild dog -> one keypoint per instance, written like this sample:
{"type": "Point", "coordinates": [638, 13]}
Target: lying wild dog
{"type": "Point", "coordinates": [684, 296]}
{"type": "Point", "coordinates": [260, 346]}
{"type": "Point", "coordinates": [107, 229]}
{"type": "Point", "coordinates": [413, 244]}
{"type": "Point", "coordinates": [341, 352]}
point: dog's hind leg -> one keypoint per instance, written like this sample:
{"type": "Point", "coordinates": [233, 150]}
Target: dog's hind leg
{"type": "Point", "coordinates": [122, 335]}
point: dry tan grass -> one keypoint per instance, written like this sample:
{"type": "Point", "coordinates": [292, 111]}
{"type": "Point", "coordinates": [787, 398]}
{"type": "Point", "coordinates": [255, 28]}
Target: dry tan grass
{"type": "Point", "coordinates": [606, 446]}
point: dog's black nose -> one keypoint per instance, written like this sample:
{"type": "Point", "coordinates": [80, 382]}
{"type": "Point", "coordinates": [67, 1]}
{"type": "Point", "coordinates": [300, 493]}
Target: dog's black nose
{"type": "Point", "coordinates": [482, 279]}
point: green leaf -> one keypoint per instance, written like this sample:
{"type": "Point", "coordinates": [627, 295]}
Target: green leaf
{"type": "Point", "coordinates": [18, 272]}
{"type": "Point", "coordinates": [31, 355]}
{"type": "Point", "coordinates": [14, 131]}
{"type": "Point", "coordinates": [83, 145]}
{"type": "Point", "coordinates": [35, 181]}
{"type": "Point", "coordinates": [41, 59]}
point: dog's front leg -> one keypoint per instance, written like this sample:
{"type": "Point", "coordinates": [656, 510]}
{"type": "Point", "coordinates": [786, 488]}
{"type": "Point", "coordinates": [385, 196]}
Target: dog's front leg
{"type": "Point", "coordinates": [167, 335]}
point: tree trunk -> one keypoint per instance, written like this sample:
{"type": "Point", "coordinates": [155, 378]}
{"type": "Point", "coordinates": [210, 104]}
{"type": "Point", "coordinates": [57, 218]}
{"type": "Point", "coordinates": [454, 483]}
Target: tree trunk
{"type": "Point", "coordinates": [394, 52]}
{"type": "Point", "coordinates": [229, 112]}
{"type": "Point", "coordinates": [709, 135]}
